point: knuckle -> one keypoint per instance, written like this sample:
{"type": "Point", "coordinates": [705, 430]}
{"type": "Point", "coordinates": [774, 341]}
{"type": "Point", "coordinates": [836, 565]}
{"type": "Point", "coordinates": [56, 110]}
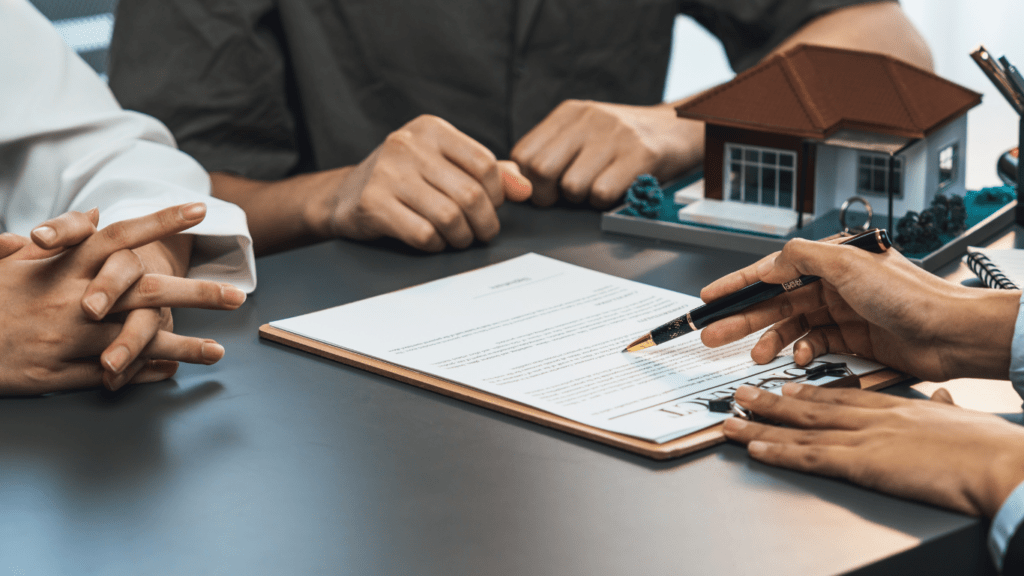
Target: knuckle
{"type": "Point", "coordinates": [811, 458]}
{"type": "Point", "coordinates": [811, 418]}
{"type": "Point", "coordinates": [427, 123]}
{"type": "Point", "coordinates": [546, 168]}
{"type": "Point", "coordinates": [573, 105]}
{"type": "Point", "coordinates": [573, 184]}
{"type": "Point", "coordinates": [400, 139]}
{"type": "Point", "coordinates": [786, 307]}
{"type": "Point", "coordinates": [168, 219]}
{"type": "Point", "coordinates": [39, 377]}
{"type": "Point", "coordinates": [605, 191]}
{"type": "Point", "coordinates": [424, 237]}
{"type": "Point", "coordinates": [474, 195]}
{"type": "Point", "coordinates": [490, 232]}
{"type": "Point", "coordinates": [116, 234]}
{"type": "Point", "coordinates": [148, 286]}
{"type": "Point", "coordinates": [448, 216]}
{"type": "Point", "coordinates": [483, 163]}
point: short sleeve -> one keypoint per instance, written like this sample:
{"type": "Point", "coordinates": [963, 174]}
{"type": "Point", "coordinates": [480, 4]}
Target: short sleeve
{"type": "Point", "coordinates": [214, 72]}
{"type": "Point", "coordinates": [750, 29]}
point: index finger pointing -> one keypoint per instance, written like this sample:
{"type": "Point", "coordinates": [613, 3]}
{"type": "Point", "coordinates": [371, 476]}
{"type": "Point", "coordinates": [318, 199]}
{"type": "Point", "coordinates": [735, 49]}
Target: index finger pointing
{"type": "Point", "coordinates": [137, 232]}
{"type": "Point", "coordinates": [732, 282]}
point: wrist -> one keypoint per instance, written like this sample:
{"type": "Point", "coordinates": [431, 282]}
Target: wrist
{"type": "Point", "coordinates": [684, 141]}
{"type": "Point", "coordinates": [323, 192]}
{"type": "Point", "coordinates": [1004, 476]}
{"type": "Point", "coordinates": [983, 326]}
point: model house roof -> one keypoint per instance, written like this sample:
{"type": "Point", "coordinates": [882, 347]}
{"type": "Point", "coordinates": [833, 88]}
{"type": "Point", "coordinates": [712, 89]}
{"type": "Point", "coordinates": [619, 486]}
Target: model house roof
{"type": "Point", "coordinates": [816, 91]}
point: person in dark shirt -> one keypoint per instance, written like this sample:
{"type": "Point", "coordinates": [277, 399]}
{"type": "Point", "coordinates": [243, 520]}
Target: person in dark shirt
{"type": "Point", "coordinates": [363, 119]}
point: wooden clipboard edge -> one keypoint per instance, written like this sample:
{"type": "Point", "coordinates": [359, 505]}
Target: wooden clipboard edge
{"type": "Point", "coordinates": [672, 449]}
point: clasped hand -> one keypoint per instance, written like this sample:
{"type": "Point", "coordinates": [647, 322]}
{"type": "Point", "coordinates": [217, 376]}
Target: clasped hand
{"type": "Point", "coordinates": [84, 307]}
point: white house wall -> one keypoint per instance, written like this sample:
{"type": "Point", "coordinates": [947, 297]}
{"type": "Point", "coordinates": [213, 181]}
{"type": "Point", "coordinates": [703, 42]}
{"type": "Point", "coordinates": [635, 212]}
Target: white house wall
{"type": "Point", "coordinates": [953, 133]}
{"type": "Point", "coordinates": [835, 173]}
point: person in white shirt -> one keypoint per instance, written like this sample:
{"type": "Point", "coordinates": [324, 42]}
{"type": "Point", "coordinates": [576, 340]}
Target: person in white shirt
{"type": "Point", "coordinates": [86, 300]}
{"type": "Point", "coordinates": [883, 307]}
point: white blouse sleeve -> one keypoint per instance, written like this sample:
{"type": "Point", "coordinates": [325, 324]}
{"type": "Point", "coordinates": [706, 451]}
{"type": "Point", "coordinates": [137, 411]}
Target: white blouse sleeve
{"type": "Point", "coordinates": [65, 144]}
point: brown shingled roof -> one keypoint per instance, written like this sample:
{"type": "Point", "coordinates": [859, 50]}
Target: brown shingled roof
{"type": "Point", "coordinates": [815, 91]}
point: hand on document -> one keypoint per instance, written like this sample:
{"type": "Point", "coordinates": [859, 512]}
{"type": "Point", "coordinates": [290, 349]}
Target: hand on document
{"type": "Point", "coordinates": [925, 450]}
{"type": "Point", "coordinates": [76, 294]}
{"type": "Point", "coordinates": [878, 306]}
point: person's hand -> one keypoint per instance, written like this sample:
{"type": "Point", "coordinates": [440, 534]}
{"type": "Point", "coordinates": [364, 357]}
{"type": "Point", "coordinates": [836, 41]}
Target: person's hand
{"type": "Point", "coordinates": [924, 450]}
{"type": "Point", "coordinates": [427, 184]}
{"type": "Point", "coordinates": [879, 306]}
{"type": "Point", "coordinates": [594, 150]}
{"type": "Point", "coordinates": [51, 343]}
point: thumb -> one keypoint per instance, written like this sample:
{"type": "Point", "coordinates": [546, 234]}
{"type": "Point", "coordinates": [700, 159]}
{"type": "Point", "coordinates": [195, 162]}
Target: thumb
{"type": "Point", "coordinates": [517, 187]}
{"type": "Point", "coordinates": [11, 243]}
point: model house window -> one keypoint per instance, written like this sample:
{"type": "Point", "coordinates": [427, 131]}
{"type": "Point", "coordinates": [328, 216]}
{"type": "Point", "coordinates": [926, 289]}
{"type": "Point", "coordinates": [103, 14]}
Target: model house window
{"type": "Point", "coordinates": [873, 175]}
{"type": "Point", "coordinates": [947, 165]}
{"type": "Point", "coordinates": [760, 175]}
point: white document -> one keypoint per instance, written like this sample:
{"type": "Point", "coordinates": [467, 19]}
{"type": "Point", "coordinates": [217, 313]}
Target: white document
{"type": "Point", "coordinates": [550, 335]}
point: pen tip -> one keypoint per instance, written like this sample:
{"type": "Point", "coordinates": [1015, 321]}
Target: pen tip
{"type": "Point", "coordinates": [645, 341]}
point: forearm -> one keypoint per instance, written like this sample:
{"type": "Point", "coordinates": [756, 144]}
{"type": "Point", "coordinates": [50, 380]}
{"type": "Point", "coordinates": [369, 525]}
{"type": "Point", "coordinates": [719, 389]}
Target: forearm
{"type": "Point", "coordinates": [281, 214]}
{"type": "Point", "coordinates": [875, 27]}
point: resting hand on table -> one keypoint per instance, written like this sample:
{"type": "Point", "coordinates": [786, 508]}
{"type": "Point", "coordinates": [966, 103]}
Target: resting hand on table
{"type": "Point", "coordinates": [592, 151]}
{"type": "Point", "coordinates": [879, 306]}
{"type": "Point", "coordinates": [84, 307]}
{"type": "Point", "coordinates": [925, 450]}
{"type": "Point", "coordinates": [427, 184]}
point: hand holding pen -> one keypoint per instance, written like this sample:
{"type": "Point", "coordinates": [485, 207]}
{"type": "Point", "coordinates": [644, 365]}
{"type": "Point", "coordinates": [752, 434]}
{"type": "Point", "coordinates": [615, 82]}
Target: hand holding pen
{"type": "Point", "coordinates": [879, 306]}
{"type": "Point", "coordinates": [742, 298]}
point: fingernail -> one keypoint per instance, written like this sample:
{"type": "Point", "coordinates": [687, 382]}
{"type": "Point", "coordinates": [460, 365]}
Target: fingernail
{"type": "Point", "coordinates": [757, 448]}
{"type": "Point", "coordinates": [735, 424]}
{"type": "Point", "coordinates": [791, 388]}
{"type": "Point", "coordinates": [515, 182]}
{"type": "Point", "coordinates": [117, 359]}
{"type": "Point", "coordinates": [193, 211]}
{"type": "Point", "coordinates": [45, 234]}
{"type": "Point", "coordinates": [97, 304]}
{"type": "Point", "coordinates": [115, 382]}
{"type": "Point", "coordinates": [232, 296]}
{"type": "Point", "coordinates": [747, 393]}
{"type": "Point", "coordinates": [212, 352]}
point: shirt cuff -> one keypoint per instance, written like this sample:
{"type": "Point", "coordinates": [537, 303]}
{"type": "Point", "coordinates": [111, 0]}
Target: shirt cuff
{"type": "Point", "coordinates": [1017, 352]}
{"type": "Point", "coordinates": [1005, 525]}
{"type": "Point", "coordinates": [222, 251]}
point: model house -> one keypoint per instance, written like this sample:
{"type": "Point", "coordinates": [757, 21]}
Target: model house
{"type": "Point", "coordinates": [814, 126]}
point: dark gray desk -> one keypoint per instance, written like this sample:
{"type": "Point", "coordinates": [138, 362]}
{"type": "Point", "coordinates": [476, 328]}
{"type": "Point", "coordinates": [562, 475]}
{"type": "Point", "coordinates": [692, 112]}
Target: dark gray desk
{"type": "Point", "coordinates": [278, 462]}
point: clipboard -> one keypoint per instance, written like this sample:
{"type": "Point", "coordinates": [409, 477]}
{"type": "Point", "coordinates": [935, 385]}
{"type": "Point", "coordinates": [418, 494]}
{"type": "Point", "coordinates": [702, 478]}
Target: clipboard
{"type": "Point", "coordinates": [671, 449]}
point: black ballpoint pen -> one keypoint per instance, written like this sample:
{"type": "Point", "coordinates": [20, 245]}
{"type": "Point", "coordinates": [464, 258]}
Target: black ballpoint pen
{"type": "Point", "coordinates": [875, 240]}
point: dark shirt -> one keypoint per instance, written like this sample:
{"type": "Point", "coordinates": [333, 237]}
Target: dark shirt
{"type": "Point", "coordinates": [270, 88]}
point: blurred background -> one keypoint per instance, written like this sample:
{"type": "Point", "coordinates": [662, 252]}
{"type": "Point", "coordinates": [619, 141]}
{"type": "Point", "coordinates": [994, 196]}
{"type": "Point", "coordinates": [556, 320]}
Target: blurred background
{"type": "Point", "coordinates": [952, 27]}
